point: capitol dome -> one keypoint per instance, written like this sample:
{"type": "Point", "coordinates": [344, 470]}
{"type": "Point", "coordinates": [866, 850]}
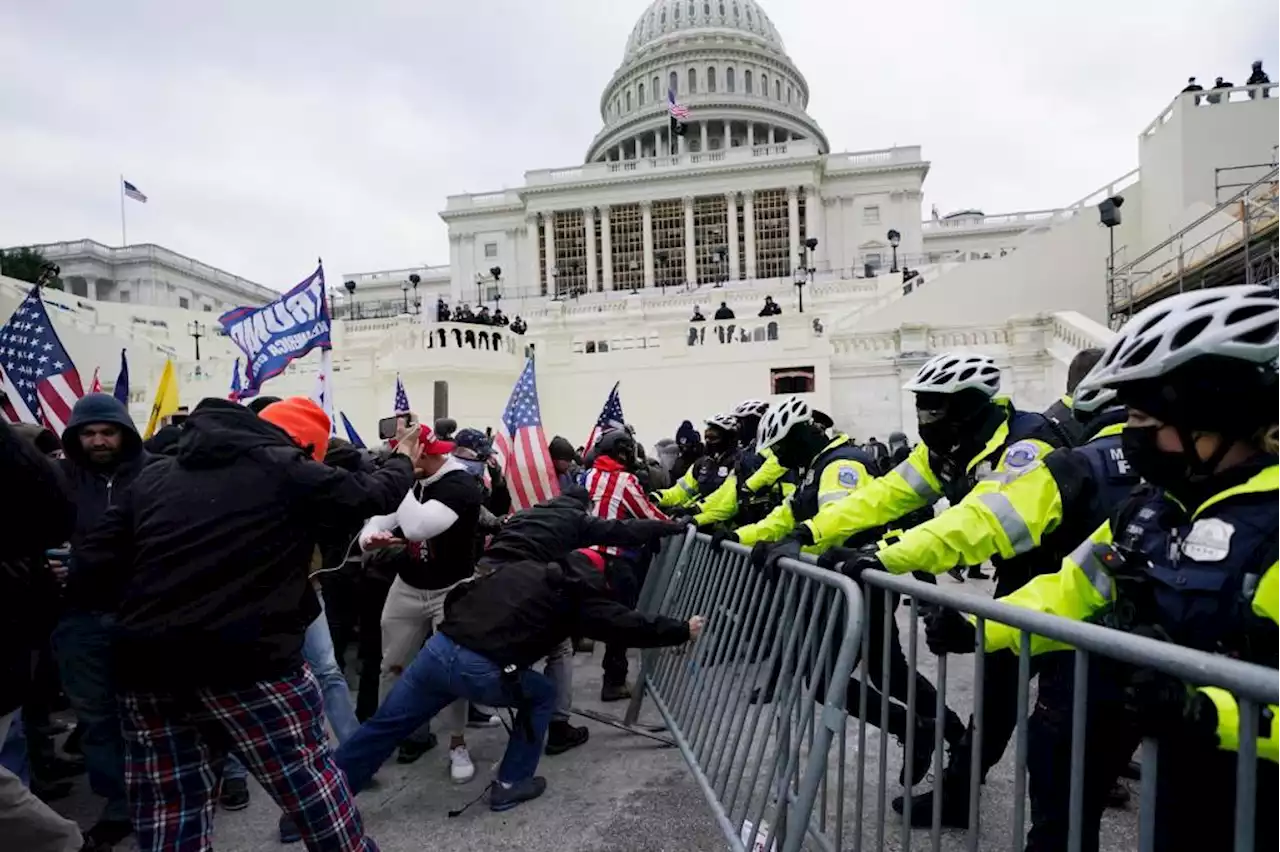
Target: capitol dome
{"type": "Point", "coordinates": [725, 61]}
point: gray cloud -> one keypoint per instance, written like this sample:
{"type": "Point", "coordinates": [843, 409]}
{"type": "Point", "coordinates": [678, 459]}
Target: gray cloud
{"type": "Point", "coordinates": [269, 133]}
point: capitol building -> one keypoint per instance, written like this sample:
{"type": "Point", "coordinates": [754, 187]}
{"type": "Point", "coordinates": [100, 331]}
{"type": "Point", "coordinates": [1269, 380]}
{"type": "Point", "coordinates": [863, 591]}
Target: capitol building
{"type": "Point", "coordinates": [607, 259]}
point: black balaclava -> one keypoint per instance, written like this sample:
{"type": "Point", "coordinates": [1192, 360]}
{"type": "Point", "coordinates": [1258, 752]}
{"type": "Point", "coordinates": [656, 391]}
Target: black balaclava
{"type": "Point", "coordinates": [748, 425]}
{"type": "Point", "coordinates": [718, 440]}
{"type": "Point", "coordinates": [957, 425]}
{"type": "Point", "coordinates": [799, 447]}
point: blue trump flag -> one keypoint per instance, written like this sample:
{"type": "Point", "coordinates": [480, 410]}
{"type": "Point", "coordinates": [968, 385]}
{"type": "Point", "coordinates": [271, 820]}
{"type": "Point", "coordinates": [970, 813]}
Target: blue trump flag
{"type": "Point", "coordinates": [121, 390]}
{"type": "Point", "coordinates": [275, 334]}
{"type": "Point", "coordinates": [351, 431]}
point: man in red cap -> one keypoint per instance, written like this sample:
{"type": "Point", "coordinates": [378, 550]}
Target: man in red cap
{"type": "Point", "coordinates": [431, 539]}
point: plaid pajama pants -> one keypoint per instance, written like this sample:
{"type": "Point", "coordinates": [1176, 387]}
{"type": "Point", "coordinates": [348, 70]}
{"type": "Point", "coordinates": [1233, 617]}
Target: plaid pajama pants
{"type": "Point", "coordinates": [176, 743]}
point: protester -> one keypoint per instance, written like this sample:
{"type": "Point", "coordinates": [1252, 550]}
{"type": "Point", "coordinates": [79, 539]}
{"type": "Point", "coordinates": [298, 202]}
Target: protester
{"type": "Point", "coordinates": [204, 566]}
{"type": "Point", "coordinates": [1258, 77]}
{"type": "Point", "coordinates": [691, 449]}
{"type": "Point", "coordinates": [104, 456]}
{"type": "Point", "coordinates": [566, 462]}
{"type": "Point", "coordinates": [697, 315]}
{"type": "Point", "coordinates": [1218, 83]}
{"type": "Point", "coordinates": [770, 308]}
{"type": "Point", "coordinates": [724, 312]}
{"type": "Point", "coordinates": [519, 326]}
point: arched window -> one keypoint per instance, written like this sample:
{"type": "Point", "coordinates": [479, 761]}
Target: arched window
{"type": "Point", "coordinates": [764, 85]}
{"type": "Point", "coordinates": [675, 13]}
{"type": "Point", "coordinates": [655, 89]}
{"type": "Point", "coordinates": [711, 79]}
{"type": "Point", "coordinates": [706, 8]}
{"type": "Point", "coordinates": [640, 94]}
{"type": "Point", "coordinates": [730, 83]}
{"type": "Point", "coordinates": [788, 94]}
{"type": "Point", "coordinates": [777, 90]}
{"type": "Point", "coordinates": [746, 81]}
{"type": "Point", "coordinates": [673, 83]}
{"type": "Point", "coordinates": [628, 100]}
{"type": "Point", "coordinates": [693, 80]}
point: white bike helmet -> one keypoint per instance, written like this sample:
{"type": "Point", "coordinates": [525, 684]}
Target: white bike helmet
{"type": "Point", "coordinates": [727, 422]}
{"type": "Point", "coordinates": [751, 408]}
{"type": "Point", "coordinates": [953, 372]}
{"type": "Point", "coordinates": [1238, 323]}
{"type": "Point", "coordinates": [781, 419]}
{"type": "Point", "coordinates": [1089, 399]}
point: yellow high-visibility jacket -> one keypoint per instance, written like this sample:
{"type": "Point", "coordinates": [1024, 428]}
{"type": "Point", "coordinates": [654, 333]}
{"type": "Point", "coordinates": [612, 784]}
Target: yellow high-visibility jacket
{"type": "Point", "coordinates": [1083, 586]}
{"type": "Point", "coordinates": [723, 502]}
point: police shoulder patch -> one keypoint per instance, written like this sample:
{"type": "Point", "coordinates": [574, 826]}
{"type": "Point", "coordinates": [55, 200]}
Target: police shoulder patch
{"type": "Point", "coordinates": [1021, 455]}
{"type": "Point", "coordinates": [847, 476]}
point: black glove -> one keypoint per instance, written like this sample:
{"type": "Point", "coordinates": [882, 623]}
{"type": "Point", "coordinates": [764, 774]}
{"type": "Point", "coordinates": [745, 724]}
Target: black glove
{"type": "Point", "coordinates": [674, 527]}
{"type": "Point", "coordinates": [654, 497]}
{"type": "Point", "coordinates": [948, 632]}
{"type": "Point", "coordinates": [683, 512]}
{"type": "Point", "coordinates": [765, 555]}
{"type": "Point", "coordinates": [1166, 708]}
{"type": "Point", "coordinates": [851, 561]}
{"type": "Point", "coordinates": [719, 538]}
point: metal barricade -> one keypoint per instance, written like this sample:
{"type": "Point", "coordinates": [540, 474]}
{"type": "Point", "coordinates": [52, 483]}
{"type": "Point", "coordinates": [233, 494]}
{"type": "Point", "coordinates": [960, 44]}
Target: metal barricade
{"type": "Point", "coordinates": [757, 702]}
{"type": "Point", "coordinates": [1254, 687]}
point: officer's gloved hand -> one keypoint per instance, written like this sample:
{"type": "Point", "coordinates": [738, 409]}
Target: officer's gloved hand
{"type": "Point", "coordinates": [766, 556]}
{"type": "Point", "coordinates": [851, 561]}
{"type": "Point", "coordinates": [1165, 707]}
{"type": "Point", "coordinates": [682, 512]}
{"type": "Point", "coordinates": [948, 632]}
{"type": "Point", "coordinates": [654, 497]}
{"type": "Point", "coordinates": [720, 537]}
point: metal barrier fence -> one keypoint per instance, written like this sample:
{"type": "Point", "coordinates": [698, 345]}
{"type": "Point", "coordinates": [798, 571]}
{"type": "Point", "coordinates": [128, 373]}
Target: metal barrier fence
{"type": "Point", "coordinates": [755, 703]}
{"type": "Point", "coordinates": [759, 707]}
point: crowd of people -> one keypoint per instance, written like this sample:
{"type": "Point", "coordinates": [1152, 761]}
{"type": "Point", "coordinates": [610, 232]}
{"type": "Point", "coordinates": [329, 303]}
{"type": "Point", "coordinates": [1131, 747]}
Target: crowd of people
{"type": "Point", "coordinates": [194, 597]}
{"type": "Point", "coordinates": [481, 316]}
{"type": "Point", "coordinates": [724, 312]}
{"type": "Point", "coordinates": [1257, 77]}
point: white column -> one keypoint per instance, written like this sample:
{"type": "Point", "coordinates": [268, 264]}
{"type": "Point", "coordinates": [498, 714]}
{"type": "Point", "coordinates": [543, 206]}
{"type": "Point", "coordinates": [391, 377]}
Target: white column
{"type": "Point", "coordinates": [702, 128]}
{"type": "Point", "coordinates": [532, 259]}
{"type": "Point", "coordinates": [665, 149]}
{"type": "Point", "coordinates": [793, 224]}
{"type": "Point", "coordinates": [731, 215]}
{"type": "Point", "coordinates": [749, 224]}
{"type": "Point", "coordinates": [690, 242]}
{"type": "Point", "coordinates": [606, 249]}
{"type": "Point", "coordinates": [751, 134]}
{"type": "Point", "coordinates": [646, 212]}
{"type": "Point", "coordinates": [549, 234]}
{"type": "Point", "coordinates": [589, 225]}
{"type": "Point", "coordinates": [813, 219]}
{"type": "Point", "coordinates": [770, 134]}
{"type": "Point", "coordinates": [727, 134]}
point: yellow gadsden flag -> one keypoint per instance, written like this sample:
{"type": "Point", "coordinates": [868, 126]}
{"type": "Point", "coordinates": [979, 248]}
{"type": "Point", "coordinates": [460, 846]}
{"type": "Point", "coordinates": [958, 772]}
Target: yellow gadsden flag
{"type": "Point", "coordinates": [166, 398]}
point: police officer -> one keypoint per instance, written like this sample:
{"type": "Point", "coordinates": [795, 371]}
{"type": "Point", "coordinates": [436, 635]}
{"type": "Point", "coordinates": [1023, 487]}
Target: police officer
{"type": "Point", "coordinates": [758, 483]}
{"type": "Point", "coordinates": [1063, 413]}
{"type": "Point", "coordinates": [709, 472]}
{"type": "Point", "coordinates": [1189, 558]}
{"type": "Point", "coordinates": [1031, 520]}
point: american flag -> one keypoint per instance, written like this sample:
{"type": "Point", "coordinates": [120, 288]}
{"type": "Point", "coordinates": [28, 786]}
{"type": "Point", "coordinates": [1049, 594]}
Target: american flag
{"type": "Point", "coordinates": [523, 445]}
{"type": "Point", "coordinates": [678, 111]}
{"type": "Point", "coordinates": [236, 386]}
{"type": "Point", "coordinates": [402, 399]}
{"type": "Point", "coordinates": [40, 382]}
{"type": "Point", "coordinates": [95, 386]}
{"type": "Point", "coordinates": [133, 192]}
{"type": "Point", "coordinates": [610, 417]}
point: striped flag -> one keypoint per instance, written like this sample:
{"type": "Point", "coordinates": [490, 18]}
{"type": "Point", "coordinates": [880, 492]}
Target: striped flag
{"type": "Point", "coordinates": [95, 386]}
{"type": "Point", "coordinates": [40, 382]}
{"type": "Point", "coordinates": [402, 398]}
{"type": "Point", "coordinates": [133, 192]}
{"type": "Point", "coordinates": [523, 445]}
{"type": "Point", "coordinates": [323, 393]}
{"type": "Point", "coordinates": [678, 111]}
{"type": "Point", "coordinates": [610, 417]}
{"type": "Point", "coordinates": [236, 387]}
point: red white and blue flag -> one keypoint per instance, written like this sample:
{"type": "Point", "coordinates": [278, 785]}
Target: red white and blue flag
{"type": "Point", "coordinates": [610, 417]}
{"type": "Point", "coordinates": [402, 398]}
{"type": "Point", "coordinates": [678, 110]}
{"type": "Point", "coordinates": [133, 192]}
{"type": "Point", "coordinates": [522, 444]}
{"type": "Point", "coordinates": [236, 387]}
{"type": "Point", "coordinates": [40, 382]}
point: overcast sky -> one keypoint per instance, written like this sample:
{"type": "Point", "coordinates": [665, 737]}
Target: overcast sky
{"type": "Point", "coordinates": [267, 132]}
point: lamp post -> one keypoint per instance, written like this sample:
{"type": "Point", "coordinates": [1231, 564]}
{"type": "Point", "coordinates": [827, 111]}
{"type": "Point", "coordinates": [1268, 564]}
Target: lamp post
{"type": "Point", "coordinates": [555, 284]}
{"type": "Point", "coordinates": [351, 298]}
{"type": "Point", "coordinates": [804, 272]}
{"type": "Point", "coordinates": [404, 289]}
{"type": "Point", "coordinates": [415, 280]}
{"type": "Point", "coordinates": [1109, 213]}
{"type": "Point", "coordinates": [661, 263]}
{"type": "Point", "coordinates": [633, 266]}
{"type": "Point", "coordinates": [894, 239]}
{"type": "Point", "coordinates": [197, 331]}
{"type": "Point", "coordinates": [496, 272]}
{"type": "Point", "coordinates": [722, 261]}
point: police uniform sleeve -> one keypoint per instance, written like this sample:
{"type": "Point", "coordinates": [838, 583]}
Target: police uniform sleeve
{"type": "Point", "coordinates": [769, 472]}
{"type": "Point", "coordinates": [1266, 604]}
{"type": "Point", "coordinates": [682, 493]}
{"type": "Point", "coordinates": [771, 527]}
{"type": "Point", "coordinates": [720, 505]}
{"type": "Point", "coordinates": [907, 487]}
{"type": "Point", "coordinates": [1004, 515]}
{"type": "Point", "coordinates": [1079, 589]}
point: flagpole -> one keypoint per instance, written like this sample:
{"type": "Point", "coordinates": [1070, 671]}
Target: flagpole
{"type": "Point", "coordinates": [124, 239]}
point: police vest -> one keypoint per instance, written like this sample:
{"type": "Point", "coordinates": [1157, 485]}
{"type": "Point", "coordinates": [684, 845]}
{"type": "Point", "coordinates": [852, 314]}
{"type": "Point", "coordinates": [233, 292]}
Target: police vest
{"type": "Point", "coordinates": [1070, 431]}
{"type": "Point", "coordinates": [1201, 574]}
{"type": "Point", "coordinates": [710, 472]}
{"type": "Point", "coordinates": [1111, 480]}
{"type": "Point", "coordinates": [804, 502]}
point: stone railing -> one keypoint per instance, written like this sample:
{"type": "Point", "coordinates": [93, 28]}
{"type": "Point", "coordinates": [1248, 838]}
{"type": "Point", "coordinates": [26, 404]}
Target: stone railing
{"type": "Point", "coordinates": [603, 171]}
{"type": "Point", "coordinates": [1208, 98]}
{"type": "Point", "coordinates": [426, 273]}
{"type": "Point", "coordinates": [506, 198]}
{"type": "Point", "coordinates": [904, 155]}
{"type": "Point", "coordinates": [790, 330]}
{"type": "Point", "coordinates": [1072, 332]}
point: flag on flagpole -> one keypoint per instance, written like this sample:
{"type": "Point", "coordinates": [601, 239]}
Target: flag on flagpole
{"type": "Point", "coordinates": [323, 393]}
{"type": "Point", "coordinates": [678, 111]}
{"type": "Point", "coordinates": [166, 402]}
{"type": "Point", "coordinates": [39, 380]}
{"type": "Point", "coordinates": [277, 333]}
{"type": "Point", "coordinates": [523, 445]}
{"type": "Point", "coordinates": [121, 390]}
{"type": "Point", "coordinates": [610, 417]}
{"type": "Point", "coordinates": [351, 431]}
{"type": "Point", "coordinates": [402, 399]}
{"type": "Point", "coordinates": [236, 388]}
{"type": "Point", "coordinates": [133, 192]}
{"type": "Point", "coordinates": [95, 386]}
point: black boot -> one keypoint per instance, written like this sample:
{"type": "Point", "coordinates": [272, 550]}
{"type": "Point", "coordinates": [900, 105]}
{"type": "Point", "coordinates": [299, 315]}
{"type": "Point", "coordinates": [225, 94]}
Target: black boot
{"type": "Point", "coordinates": [956, 573]}
{"type": "Point", "coordinates": [615, 692]}
{"type": "Point", "coordinates": [922, 752]}
{"type": "Point", "coordinates": [561, 736]}
{"type": "Point", "coordinates": [955, 795]}
{"type": "Point", "coordinates": [975, 573]}
{"type": "Point", "coordinates": [411, 750]}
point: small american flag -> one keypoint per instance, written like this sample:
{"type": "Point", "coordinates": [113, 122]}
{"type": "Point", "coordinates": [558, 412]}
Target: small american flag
{"type": "Point", "coordinates": [610, 417]}
{"type": "Point", "coordinates": [95, 386]}
{"type": "Point", "coordinates": [236, 385]}
{"type": "Point", "coordinates": [523, 445]}
{"type": "Point", "coordinates": [133, 192]}
{"type": "Point", "coordinates": [41, 384]}
{"type": "Point", "coordinates": [402, 398]}
{"type": "Point", "coordinates": [678, 111]}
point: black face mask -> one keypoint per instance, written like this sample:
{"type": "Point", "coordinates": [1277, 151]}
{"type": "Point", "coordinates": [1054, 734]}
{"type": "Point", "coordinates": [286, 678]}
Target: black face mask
{"type": "Point", "coordinates": [941, 436]}
{"type": "Point", "coordinates": [1161, 469]}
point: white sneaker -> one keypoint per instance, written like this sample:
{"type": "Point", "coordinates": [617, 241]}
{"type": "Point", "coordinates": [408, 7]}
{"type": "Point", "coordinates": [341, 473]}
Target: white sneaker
{"type": "Point", "coordinates": [461, 769]}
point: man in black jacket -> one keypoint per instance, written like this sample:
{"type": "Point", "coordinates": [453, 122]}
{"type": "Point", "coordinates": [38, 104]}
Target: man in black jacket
{"type": "Point", "coordinates": [206, 560]}
{"type": "Point", "coordinates": [496, 626]}
{"type": "Point", "coordinates": [44, 517]}
{"type": "Point", "coordinates": [104, 455]}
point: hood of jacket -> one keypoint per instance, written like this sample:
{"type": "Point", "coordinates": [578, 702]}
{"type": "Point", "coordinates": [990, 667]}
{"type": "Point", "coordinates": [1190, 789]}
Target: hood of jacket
{"type": "Point", "coordinates": [219, 432]}
{"type": "Point", "coordinates": [100, 408]}
{"type": "Point", "coordinates": [574, 497]}
{"type": "Point", "coordinates": [609, 465]}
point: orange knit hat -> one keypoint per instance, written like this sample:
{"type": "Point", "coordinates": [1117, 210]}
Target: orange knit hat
{"type": "Point", "coordinates": [305, 422]}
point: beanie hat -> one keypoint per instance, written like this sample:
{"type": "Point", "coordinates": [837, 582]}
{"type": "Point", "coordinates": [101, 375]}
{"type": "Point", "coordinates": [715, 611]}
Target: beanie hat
{"type": "Point", "coordinates": [686, 435]}
{"type": "Point", "coordinates": [561, 450]}
{"type": "Point", "coordinates": [303, 420]}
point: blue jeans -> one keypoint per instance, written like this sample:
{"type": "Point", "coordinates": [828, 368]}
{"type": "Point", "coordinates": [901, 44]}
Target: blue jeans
{"type": "Point", "coordinates": [82, 645]}
{"type": "Point", "coordinates": [13, 752]}
{"type": "Point", "coordinates": [317, 650]}
{"type": "Point", "coordinates": [442, 673]}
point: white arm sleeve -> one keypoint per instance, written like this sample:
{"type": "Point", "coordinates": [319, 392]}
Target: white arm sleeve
{"type": "Point", "coordinates": [422, 521]}
{"type": "Point", "coordinates": [378, 523]}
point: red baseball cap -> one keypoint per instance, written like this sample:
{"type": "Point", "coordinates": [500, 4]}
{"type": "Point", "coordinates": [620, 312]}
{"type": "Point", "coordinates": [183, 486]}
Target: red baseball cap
{"type": "Point", "coordinates": [431, 445]}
